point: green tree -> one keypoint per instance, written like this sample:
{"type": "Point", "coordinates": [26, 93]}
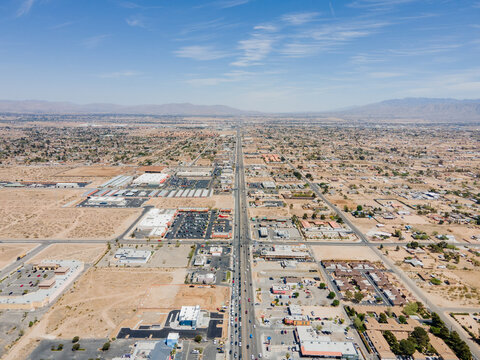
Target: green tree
{"type": "Point", "coordinates": [331, 295]}
{"type": "Point", "coordinates": [382, 318]}
{"type": "Point", "coordinates": [407, 347]}
{"type": "Point", "coordinates": [198, 338]}
{"type": "Point", "coordinates": [106, 346]}
{"type": "Point", "coordinates": [420, 337]}
{"type": "Point", "coordinates": [75, 339]}
{"type": "Point", "coordinates": [392, 342]}
{"type": "Point", "coordinates": [358, 324]}
{"type": "Point", "coordinates": [402, 319]}
{"type": "Point", "coordinates": [322, 286]}
{"type": "Point", "coordinates": [358, 296]}
{"type": "Point", "coordinates": [410, 308]}
{"type": "Point", "coordinates": [335, 302]}
{"type": "Point", "coordinates": [76, 346]}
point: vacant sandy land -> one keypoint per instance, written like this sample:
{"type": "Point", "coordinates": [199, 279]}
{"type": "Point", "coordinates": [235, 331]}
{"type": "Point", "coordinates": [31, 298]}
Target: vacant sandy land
{"type": "Point", "coordinates": [253, 161]}
{"type": "Point", "coordinates": [170, 256]}
{"type": "Point", "coordinates": [174, 297]}
{"type": "Point", "coordinates": [258, 179]}
{"type": "Point", "coordinates": [102, 299]}
{"type": "Point", "coordinates": [87, 253]}
{"type": "Point", "coordinates": [268, 211]}
{"type": "Point", "coordinates": [10, 252]}
{"type": "Point", "coordinates": [100, 171]}
{"type": "Point", "coordinates": [344, 253]}
{"type": "Point", "coordinates": [38, 213]}
{"type": "Point", "coordinates": [470, 277]}
{"type": "Point", "coordinates": [215, 201]}
{"type": "Point", "coordinates": [469, 322]}
{"type": "Point", "coordinates": [203, 162]}
{"type": "Point", "coordinates": [31, 173]}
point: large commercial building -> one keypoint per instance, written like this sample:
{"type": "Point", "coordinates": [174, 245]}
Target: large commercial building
{"type": "Point", "coordinates": [107, 201]}
{"type": "Point", "coordinates": [194, 171]}
{"type": "Point", "coordinates": [132, 256]}
{"type": "Point", "coordinates": [151, 179]}
{"type": "Point", "coordinates": [314, 345]}
{"type": "Point", "coordinates": [157, 221]}
{"type": "Point", "coordinates": [189, 316]}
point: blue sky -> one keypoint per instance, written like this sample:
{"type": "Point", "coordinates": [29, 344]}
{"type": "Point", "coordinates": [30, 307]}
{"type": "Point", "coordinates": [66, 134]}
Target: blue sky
{"type": "Point", "coordinates": [267, 55]}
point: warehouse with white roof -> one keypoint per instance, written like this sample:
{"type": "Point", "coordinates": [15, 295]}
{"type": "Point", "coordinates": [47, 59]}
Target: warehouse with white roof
{"type": "Point", "coordinates": [157, 221]}
{"type": "Point", "coordinates": [314, 345]}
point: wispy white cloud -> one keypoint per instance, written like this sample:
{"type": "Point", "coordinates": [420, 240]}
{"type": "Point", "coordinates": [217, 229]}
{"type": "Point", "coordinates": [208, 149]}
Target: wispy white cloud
{"type": "Point", "coordinates": [458, 84]}
{"type": "Point", "coordinates": [385, 74]}
{"type": "Point", "coordinates": [201, 53]}
{"type": "Point", "coordinates": [119, 74]}
{"type": "Point", "coordinates": [426, 49]}
{"type": "Point", "coordinates": [231, 3]}
{"type": "Point", "coordinates": [25, 7]}
{"type": "Point", "coordinates": [62, 25]}
{"type": "Point", "coordinates": [299, 49]}
{"type": "Point", "coordinates": [254, 50]}
{"type": "Point", "coordinates": [378, 4]}
{"type": "Point", "coordinates": [382, 56]}
{"type": "Point", "coordinates": [223, 4]}
{"type": "Point", "coordinates": [233, 76]}
{"type": "Point", "coordinates": [328, 37]}
{"type": "Point", "coordinates": [135, 21]}
{"type": "Point", "coordinates": [134, 5]}
{"type": "Point", "coordinates": [332, 10]}
{"type": "Point", "coordinates": [210, 26]}
{"type": "Point", "coordinates": [345, 31]}
{"type": "Point", "coordinates": [365, 59]}
{"type": "Point", "coordinates": [299, 18]}
{"type": "Point", "coordinates": [267, 27]}
{"type": "Point", "coordinates": [94, 41]}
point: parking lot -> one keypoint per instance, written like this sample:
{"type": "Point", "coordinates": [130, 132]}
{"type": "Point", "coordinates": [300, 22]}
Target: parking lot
{"type": "Point", "coordinates": [190, 225]}
{"type": "Point", "coordinates": [221, 225]}
{"type": "Point", "coordinates": [90, 349]}
{"type": "Point", "coordinates": [182, 182]}
{"type": "Point", "coordinates": [131, 202]}
{"type": "Point", "coordinates": [24, 280]}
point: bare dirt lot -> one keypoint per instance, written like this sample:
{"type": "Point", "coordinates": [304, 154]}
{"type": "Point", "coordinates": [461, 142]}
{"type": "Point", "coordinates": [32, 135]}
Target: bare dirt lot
{"type": "Point", "coordinates": [94, 171]}
{"type": "Point", "coordinates": [87, 253]}
{"type": "Point", "coordinates": [103, 298]}
{"type": "Point", "coordinates": [38, 213]}
{"type": "Point", "coordinates": [216, 201]}
{"type": "Point", "coordinates": [10, 252]}
{"type": "Point", "coordinates": [268, 212]}
{"type": "Point", "coordinates": [254, 161]}
{"type": "Point", "coordinates": [167, 256]}
{"type": "Point", "coordinates": [31, 173]}
{"type": "Point", "coordinates": [344, 253]}
{"type": "Point", "coordinates": [174, 297]}
{"type": "Point", "coordinates": [170, 256]}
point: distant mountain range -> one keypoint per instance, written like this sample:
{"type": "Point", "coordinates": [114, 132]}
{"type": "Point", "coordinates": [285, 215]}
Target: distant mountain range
{"type": "Point", "coordinates": [427, 109]}
{"type": "Point", "coordinates": [47, 107]}
{"type": "Point", "coordinates": [408, 109]}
